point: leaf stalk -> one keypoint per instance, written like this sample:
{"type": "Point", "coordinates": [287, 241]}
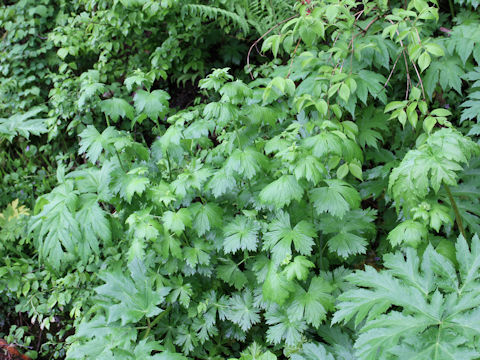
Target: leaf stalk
{"type": "Point", "coordinates": [458, 218]}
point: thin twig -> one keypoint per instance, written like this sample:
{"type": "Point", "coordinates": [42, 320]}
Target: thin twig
{"type": "Point", "coordinates": [261, 37]}
{"type": "Point", "coordinates": [390, 75]}
{"type": "Point", "coordinates": [334, 42]}
{"type": "Point", "coordinates": [415, 67]}
{"type": "Point", "coordinates": [357, 16]}
{"type": "Point", "coordinates": [370, 24]}
{"type": "Point", "coordinates": [293, 56]}
{"type": "Point", "coordinates": [419, 79]}
{"type": "Point", "coordinates": [258, 51]}
{"type": "Point", "coordinates": [409, 81]}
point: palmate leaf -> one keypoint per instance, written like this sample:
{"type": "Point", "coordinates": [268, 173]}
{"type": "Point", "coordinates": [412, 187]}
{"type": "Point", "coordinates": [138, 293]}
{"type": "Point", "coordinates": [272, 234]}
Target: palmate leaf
{"type": "Point", "coordinates": [281, 236]}
{"type": "Point", "coordinates": [90, 87]}
{"type": "Point", "coordinates": [94, 225]}
{"type": "Point", "coordinates": [436, 308]}
{"type": "Point", "coordinates": [465, 39]}
{"type": "Point", "coordinates": [298, 268]}
{"type": "Point", "coordinates": [246, 162]}
{"type": "Point", "coordinates": [180, 292]}
{"type": "Point", "coordinates": [283, 327]}
{"type": "Point", "coordinates": [169, 244]}
{"type": "Point", "coordinates": [308, 167]}
{"type": "Point", "coordinates": [221, 113]}
{"type": "Point", "coordinates": [177, 221]}
{"type": "Point", "coordinates": [281, 192]}
{"type": "Point", "coordinates": [59, 231]}
{"type": "Point", "coordinates": [142, 227]}
{"type": "Point", "coordinates": [349, 236]}
{"type": "Point", "coordinates": [241, 310]}
{"type": "Point", "coordinates": [198, 253]}
{"type": "Point", "coordinates": [324, 144]}
{"type": "Point", "coordinates": [409, 232]}
{"type": "Point", "coordinates": [312, 305]}
{"type": "Point", "coordinates": [370, 124]}
{"type": "Point", "coordinates": [221, 182]}
{"type": "Point", "coordinates": [116, 108]}
{"type": "Point", "coordinates": [446, 71]}
{"type": "Point", "coordinates": [92, 143]}
{"type": "Point", "coordinates": [98, 339]}
{"type": "Point", "coordinates": [154, 104]}
{"type": "Point", "coordinates": [437, 161]}
{"type": "Point", "coordinates": [70, 221]}
{"type": "Point", "coordinates": [94, 180]}
{"type": "Point", "coordinates": [336, 198]}
{"type": "Point", "coordinates": [25, 124]}
{"type": "Point", "coordinates": [191, 178]}
{"type": "Point", "coordinates": [131, 297]}
{"type": "Point", "coordinates": [127, 185]}
{"type": "Point", "coordinates": [232, 275]}
{"type": "Point", "coordinates": [276, 287]}
{"type": "Point", "coordinates": [240, 234]}
{"type": "Point", "coordinates": [206, 217]}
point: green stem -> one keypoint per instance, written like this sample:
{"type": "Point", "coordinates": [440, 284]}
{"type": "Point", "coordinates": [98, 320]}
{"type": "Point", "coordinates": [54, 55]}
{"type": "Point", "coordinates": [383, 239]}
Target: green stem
{"type": "Point", "coordinates": [452, 9]}
{"type": "Point", "coordinates": [154, 322]}
{"type": "Point", "coordinates": [119, 160]}
{"type": "Point", "coordinates": [149, 327]}
{"type": "Point", "coordinates": [458, 218]}
{"type": "Point", "coordinates": [169, 166]}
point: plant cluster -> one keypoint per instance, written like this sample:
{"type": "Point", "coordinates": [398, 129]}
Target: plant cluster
{"type": "Point", "coordinates": [321, 204]}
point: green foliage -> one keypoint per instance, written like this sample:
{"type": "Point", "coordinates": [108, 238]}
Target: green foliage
{"type": "Point", "coordinates": [125, 300]}
{"type": "Point", "coordinates": [437, 161]}
{"type": "Point", "coordinates": [240, 214]}
{"type": "Point", "coordinates": [472, 105]}
{"type": "Point", "coordinates": [436, 306]}
{"type": "Point", "coordinates": [22, 125]}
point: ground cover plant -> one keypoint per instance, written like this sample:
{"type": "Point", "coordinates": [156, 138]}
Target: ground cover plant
{"type": "Point", "coordinates": [240, 179]}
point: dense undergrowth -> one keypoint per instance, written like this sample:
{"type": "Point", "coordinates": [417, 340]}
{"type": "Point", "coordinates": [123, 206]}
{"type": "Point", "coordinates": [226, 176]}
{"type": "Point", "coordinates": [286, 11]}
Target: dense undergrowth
{"type": "Point", "coordinates": [240, 179]}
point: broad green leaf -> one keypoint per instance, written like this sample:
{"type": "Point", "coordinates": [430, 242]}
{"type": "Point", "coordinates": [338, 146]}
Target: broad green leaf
{"type": "Point", "coordinates": [240, 234]}
{"type": "Point", "coordinates": [154, 104]}
{"type": "Point", "coordinates": [242, 312]}
{"type": "Point", "coordinates": [92, 143]}
{"type": "Point", "coordinates": [408, 232]}
{"type": "Point", "coordinates": [276, 288]}
{"type": "Point", "coordinates": [312, 305]}
{"type": "Point", "coordinates": [133, 296]}
{"type": "Point", "coordinates": [281, 192]}
{"type": "Point", "coordinates": [299, 268]}
{"type": "Point", "coordinates": [336, 198]}
{"type": "Point", "coordinates": [116, 108]}
{"type": "Point", "coordinates": [23, 124]}
{"type": "Point", "coordinates": [177, 221]}
{"type": "Point", "coordinates": [281, 236]}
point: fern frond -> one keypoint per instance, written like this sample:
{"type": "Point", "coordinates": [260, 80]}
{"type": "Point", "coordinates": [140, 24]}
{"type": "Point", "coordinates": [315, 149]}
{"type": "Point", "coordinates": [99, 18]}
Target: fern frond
{"type": "Point", "coordinates": [472, 105]}
{"type": "Point", "coordinates": [213, 13]}
{"type": "Point", "coordinates": [263, 14]}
